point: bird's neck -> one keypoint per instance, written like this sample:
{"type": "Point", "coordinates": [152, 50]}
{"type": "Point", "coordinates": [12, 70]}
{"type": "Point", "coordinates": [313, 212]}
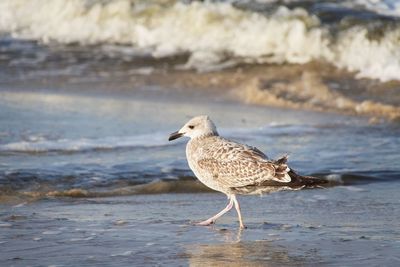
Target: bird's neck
{"type": "Point", "coordinates": [205, 135]}
{"type": "Point", "coordinates": [196, 144]}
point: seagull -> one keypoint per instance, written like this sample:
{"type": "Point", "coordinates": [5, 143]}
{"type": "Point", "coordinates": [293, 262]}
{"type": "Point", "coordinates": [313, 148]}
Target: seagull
{"type": "Point", "coordinates": [233, 168]}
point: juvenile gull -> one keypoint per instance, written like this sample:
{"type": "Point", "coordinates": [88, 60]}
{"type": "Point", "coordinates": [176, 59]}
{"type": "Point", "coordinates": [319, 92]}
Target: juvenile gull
{"type": "Point", "coordinates": [234, 168]}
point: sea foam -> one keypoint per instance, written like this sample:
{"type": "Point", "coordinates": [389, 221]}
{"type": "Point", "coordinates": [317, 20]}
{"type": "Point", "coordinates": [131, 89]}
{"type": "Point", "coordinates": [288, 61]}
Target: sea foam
{"type": "Point", "coordinates": [85, 144]}
{"type": "Point", "coordinates": [212, 33]}
{"type": "Point", "coordinates": [385, 7]}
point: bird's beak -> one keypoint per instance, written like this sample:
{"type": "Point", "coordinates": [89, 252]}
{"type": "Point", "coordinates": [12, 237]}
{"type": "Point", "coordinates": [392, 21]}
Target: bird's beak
{"type": "Point", "coordinates": [174, 136]}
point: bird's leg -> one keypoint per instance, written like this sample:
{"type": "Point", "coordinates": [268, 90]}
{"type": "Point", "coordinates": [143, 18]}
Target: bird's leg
{"type": "Point", "coordinates": [215, 217]}
{"type": "Point", "coordinates": [237, 207]}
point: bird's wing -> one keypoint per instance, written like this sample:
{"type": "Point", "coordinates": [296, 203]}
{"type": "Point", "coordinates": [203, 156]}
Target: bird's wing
{"type": "Point", "coordinates": [236, 165]}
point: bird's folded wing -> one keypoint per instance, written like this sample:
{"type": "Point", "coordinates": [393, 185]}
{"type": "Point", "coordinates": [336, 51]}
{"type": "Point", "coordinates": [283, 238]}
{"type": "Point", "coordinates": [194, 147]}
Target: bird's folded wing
{"type": "Point", "coordinates": [238, 165]}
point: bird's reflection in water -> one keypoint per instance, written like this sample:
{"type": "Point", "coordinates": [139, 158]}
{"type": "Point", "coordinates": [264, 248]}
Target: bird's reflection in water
{"type": "Point", "coordinates": [235, 252]}
{"type": "Point", "coordinates": [229, 236]}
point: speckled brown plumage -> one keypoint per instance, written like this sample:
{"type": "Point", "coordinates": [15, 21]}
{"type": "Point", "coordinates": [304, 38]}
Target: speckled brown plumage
{"type": "Point", "coordinates": [225, 165]}
{"type": "Point", "coordinates": [234, 168]}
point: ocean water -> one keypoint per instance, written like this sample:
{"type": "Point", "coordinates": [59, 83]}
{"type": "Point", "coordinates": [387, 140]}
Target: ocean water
{"type": "Point", "coordinates": [360, 36]}
{"type": "Point", "coordinates": [91, 90]}
{"type": "Point", "coordinates": [56, 144]}
{"type": "Point", "coordinates": [320, 55]}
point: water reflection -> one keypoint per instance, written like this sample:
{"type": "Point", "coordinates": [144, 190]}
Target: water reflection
{"type": "Point", "coordinates": [235, 250]}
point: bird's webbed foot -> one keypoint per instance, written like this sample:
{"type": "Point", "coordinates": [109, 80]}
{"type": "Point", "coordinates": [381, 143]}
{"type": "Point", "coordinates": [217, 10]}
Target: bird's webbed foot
{"type": "Point", "coordinates": [206, 222]}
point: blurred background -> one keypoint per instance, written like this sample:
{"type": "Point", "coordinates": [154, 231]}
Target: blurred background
{"type": "Point", "coordinates": [317, 55]}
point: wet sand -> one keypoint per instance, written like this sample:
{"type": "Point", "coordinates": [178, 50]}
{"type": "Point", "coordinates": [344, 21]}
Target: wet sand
{"type": "Point", "coordinates": [342, 226]}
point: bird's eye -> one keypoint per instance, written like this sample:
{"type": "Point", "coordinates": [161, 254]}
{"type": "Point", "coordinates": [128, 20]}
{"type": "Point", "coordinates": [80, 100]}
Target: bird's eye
{"type": "Point", "coordinates": [191, 126]}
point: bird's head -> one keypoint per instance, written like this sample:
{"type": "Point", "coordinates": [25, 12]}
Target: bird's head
{"type": "Point", "coordinates": [196, 127]}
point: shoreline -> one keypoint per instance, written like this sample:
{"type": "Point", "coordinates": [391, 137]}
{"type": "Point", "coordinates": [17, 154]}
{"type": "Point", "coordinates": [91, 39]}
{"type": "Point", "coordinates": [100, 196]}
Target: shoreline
{"type": "Point", "coordinates": [314, 86]}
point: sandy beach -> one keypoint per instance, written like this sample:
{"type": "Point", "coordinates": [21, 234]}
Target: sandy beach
{"type": "Point", "coordinates": [335, 227]}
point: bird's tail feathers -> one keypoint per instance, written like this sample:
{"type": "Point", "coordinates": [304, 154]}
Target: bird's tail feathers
{"type": "Point", "coordinates": [308, 181]}
{"type": "Point", "coordinates": [282, 170]}
{"type": "Point", "coordinates": [282, 160]}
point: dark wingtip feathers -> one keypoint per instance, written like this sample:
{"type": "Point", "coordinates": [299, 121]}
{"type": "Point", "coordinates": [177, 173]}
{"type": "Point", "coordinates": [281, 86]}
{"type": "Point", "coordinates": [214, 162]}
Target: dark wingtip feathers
{"type": "Point", "coordinates": [282, 160]}
{"type": "Point", "coordinates": [307, 181]}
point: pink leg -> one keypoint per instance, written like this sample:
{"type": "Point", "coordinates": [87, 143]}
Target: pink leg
{"type": "Point", "coordinates": [237, 207]}
{"type": "Point", "coordinates": [215, 217]}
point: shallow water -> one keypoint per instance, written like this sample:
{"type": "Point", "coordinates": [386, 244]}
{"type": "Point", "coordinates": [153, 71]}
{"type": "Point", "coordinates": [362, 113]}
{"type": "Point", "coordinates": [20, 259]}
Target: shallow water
{"type": "Point", "coordinates": [56, 144]}
{"type": "Point", "coordinates": [350, 226]}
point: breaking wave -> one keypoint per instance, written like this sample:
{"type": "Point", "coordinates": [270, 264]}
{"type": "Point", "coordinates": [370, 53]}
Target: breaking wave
{"type": "Point", "coordinates": [34, 144]}
{"type": "Point", "coordinates": [42, 145]}
{"type": "Point", "coordinates": [385, 7]}
{"type": "Point", "coordinates": [214, 34]}
{"type": "Point", "coordinates": [310, 92]}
